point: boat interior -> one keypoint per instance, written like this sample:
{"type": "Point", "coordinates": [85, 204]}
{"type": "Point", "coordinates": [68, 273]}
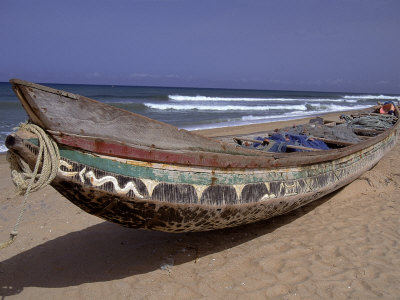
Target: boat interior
{"type": "Point", "coordinates": [321, 134]}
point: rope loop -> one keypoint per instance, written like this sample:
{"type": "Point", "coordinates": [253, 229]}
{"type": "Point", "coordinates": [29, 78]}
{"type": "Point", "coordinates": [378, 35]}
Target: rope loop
{"type": "Point", "coordinates": [25, 180]}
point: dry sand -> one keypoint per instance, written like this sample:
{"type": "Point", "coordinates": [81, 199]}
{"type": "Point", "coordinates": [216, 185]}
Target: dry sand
{"type": "Point", "coordinates": [343, 246]}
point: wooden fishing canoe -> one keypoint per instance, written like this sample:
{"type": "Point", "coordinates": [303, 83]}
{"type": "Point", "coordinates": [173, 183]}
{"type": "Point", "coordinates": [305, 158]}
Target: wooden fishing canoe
{"type": "Point", "coordinates": [141, 173]}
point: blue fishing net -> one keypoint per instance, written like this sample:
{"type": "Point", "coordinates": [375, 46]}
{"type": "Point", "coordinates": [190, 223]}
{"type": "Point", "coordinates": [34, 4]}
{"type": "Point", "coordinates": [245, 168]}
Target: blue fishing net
{"type": "Point", "coordinates": [279, 142]}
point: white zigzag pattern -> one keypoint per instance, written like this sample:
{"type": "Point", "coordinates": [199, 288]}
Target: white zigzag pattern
{"type": "Point", "coordinates": [68, 167]}
{"type": "Point", "coordinates": [98, 182]}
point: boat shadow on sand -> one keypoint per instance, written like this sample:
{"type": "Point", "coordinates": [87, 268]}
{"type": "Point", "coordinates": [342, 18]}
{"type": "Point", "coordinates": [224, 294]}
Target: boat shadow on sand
{"type": "Point", "coordinates": [107, 251]}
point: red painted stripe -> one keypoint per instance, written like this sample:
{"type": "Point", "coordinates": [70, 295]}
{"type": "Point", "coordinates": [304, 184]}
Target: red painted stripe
{"type": "Point", "coordinates": [217, 160]}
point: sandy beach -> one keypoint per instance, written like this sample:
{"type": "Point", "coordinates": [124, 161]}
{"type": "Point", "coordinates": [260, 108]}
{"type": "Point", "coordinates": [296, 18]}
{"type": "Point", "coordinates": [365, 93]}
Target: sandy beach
{"type": "Point", "coordinates": [343, 246]}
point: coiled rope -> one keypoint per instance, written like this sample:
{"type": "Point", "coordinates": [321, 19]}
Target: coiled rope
{"type": "Point", "coordinates": [25, 180]}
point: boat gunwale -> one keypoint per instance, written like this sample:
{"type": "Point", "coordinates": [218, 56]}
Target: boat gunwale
{"type": "Point", "coordinates": [254, 158]}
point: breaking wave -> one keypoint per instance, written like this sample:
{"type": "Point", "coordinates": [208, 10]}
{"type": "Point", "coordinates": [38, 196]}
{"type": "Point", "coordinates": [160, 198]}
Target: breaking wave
{"type": "Point", "coordinates": [223, 107]}
{"type": "Point", "coordinates": [199, 98]}
{"type": "Point", "coordinates": [301, 107]}
{"type": "Point", "coordinates": [371, 97]}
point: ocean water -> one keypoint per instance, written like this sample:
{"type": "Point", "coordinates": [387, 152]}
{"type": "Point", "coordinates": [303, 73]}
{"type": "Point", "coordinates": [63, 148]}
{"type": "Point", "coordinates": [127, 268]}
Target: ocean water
{"type": "Point", "coordinates": [199, 108]}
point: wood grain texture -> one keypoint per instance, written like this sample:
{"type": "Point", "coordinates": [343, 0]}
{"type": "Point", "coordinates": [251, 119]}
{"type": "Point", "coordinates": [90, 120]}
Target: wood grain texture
{"type": "Point", "coordinates": [83, 116]}
{"type": "Point", "coordinates": [99, 128]}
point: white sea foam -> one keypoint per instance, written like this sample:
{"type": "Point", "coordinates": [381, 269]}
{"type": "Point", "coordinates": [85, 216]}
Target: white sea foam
{"type": "Point", "coordinates": [199, 98]}
{"type": "Point", "coordinates": [223, 107]}
{"type": "Point", "coordinates": [250, 119]}
{"type": "Point", "coordinates": [334, 107]}
{"type": "Point", "coordinates": [327, 109]}
{"type": "Point", "coordinates": [206, 98]}
{"type": "Point", "coordinates": [3, 135]}
{"type": "Point", "coordinates": [3, 148]}
{"type": "Point", "coordinates": [302, 107]}
{"type": "Point", "coordinates": [372, 97]}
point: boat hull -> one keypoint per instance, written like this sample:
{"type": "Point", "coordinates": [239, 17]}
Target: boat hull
{"type": "Point", "coordinates": [141, 173]}
{"type": "Point", "coordinates": [177, 198]}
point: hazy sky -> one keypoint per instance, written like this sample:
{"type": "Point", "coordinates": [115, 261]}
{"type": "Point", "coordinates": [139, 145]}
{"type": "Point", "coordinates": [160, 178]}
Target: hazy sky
{"type": "Point", "coordinates": [325, 45]}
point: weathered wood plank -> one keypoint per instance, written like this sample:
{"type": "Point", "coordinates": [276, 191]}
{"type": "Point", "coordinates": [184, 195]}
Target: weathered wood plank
{"type": "Point", "coordinates": [367, 131]}
{"type": "Point", "coordinates": [83, 116]}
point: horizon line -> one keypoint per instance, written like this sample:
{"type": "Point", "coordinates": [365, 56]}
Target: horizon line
{"type": "Point", "coordinates": [209, 88]}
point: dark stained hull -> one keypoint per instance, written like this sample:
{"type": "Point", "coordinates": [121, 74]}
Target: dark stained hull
{"type": "Point", "coordinates": [204, 185]}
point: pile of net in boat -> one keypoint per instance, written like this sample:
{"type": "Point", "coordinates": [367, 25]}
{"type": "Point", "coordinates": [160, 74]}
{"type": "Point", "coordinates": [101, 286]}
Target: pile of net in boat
{"type": "Point", "coordinates": [279, 143]}
{"type": "Point", "coordinates": [371, 121]}
{"type": "Point", "coordinates": [310, 136]}
{"type": "Point", "coordinates": [317, 128]}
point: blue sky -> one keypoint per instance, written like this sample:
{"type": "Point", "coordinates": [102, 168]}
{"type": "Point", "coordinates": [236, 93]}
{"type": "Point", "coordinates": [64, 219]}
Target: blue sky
{"type": "Point", "coordinates": [335, 45]}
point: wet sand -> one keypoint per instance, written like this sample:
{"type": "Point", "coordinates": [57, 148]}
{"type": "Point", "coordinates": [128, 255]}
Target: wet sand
{"type": "Point", "coordinates": [343, 246]}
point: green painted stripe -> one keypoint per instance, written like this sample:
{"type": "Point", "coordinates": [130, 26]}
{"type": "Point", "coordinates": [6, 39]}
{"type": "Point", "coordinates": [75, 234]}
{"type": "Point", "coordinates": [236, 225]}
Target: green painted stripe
{"type": "Point", "coordinates": [188, 177]}
{"type": "Point", "coordinates": [205, 178]}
